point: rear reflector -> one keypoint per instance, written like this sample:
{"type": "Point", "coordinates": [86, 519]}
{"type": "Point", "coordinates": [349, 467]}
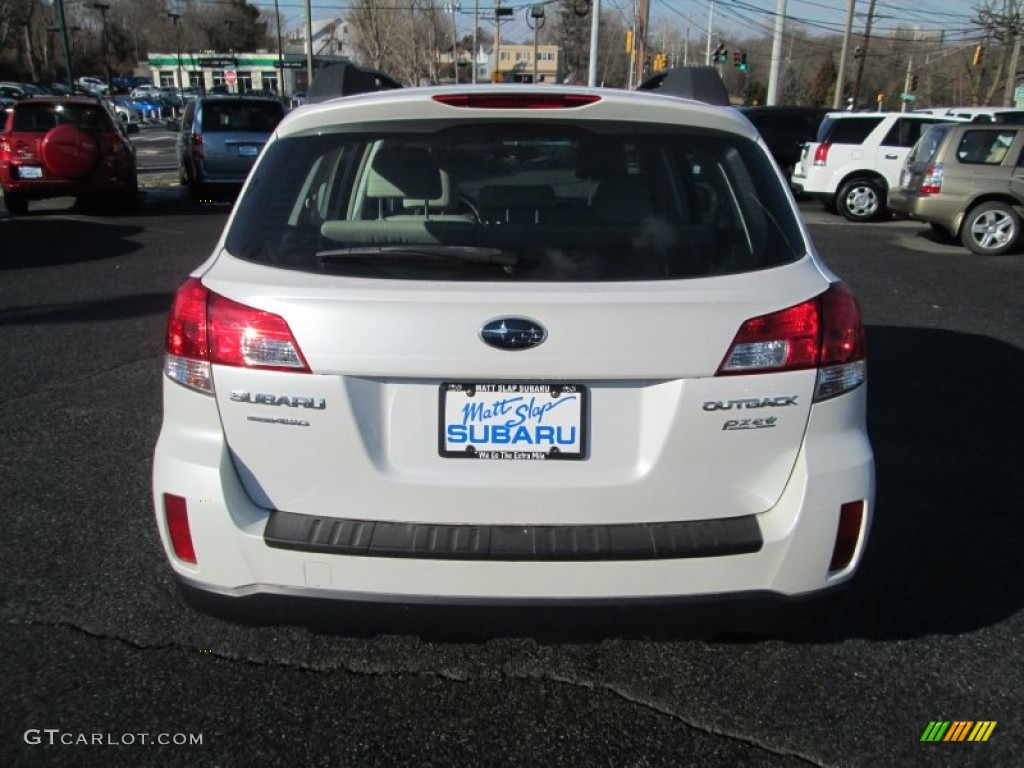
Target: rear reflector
{"type": "Point", "coordinates": [176, 515]}
{"type": "Point", "coordinates": [205, 328]}
{"type": "Point", "coordinates": [825, 332]}
{"type": "Point", "coordinates": [851, 518]}
{"type": "Point", "coordinates": [528, 100]}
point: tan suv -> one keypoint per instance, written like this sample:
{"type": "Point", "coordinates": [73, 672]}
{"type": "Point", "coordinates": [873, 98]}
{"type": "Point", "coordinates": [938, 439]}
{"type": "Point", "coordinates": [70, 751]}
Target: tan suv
{"type": "Point", "coordinates": [967, 181]}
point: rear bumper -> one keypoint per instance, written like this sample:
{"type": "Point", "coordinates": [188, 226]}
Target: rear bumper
{"type": "Point", "coordinates": [41, 190]}
{"type": "Point", "coordinates": [239, 572]}
{"type": "Point", "coordinates": [929, 208]}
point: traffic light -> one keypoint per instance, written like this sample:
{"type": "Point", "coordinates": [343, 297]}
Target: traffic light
{"type": "Point", "coordinates": [743, 61]}
{"type": "Point", "coordinates": [913, 82]}
{"type": "Point", "coordinates": [979, 54]}
{"type": "Point", "coordinates": [660, 62]}
{"type": "Point", "coordinates": [721, 55]}
{"type": "Point", "coordinates": [629, 41]}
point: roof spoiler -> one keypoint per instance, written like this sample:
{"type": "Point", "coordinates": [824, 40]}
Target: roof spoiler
{"type": "Point", "coordinates": [698, 83]}
{"type": "Point", "coordinates": [347, 79]}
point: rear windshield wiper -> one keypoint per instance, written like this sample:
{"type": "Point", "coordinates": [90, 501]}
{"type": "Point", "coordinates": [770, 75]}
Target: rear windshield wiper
{"type": "Point", "coordinates": [452, 253]}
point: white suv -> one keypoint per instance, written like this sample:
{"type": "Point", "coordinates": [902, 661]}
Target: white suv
{"type": "Point", "coordinates": [528, 349]}
{"type": "Point", "coordinates": [857, 159]}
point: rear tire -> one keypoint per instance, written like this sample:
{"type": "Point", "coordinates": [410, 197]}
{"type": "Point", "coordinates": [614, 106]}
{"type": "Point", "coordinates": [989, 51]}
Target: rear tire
{"type": "Point", "coordinates": [16, 203]}
{"type": "Point", "coordinates": [990, 229]}
{"type": "Point", "coordinates": [861, 200]}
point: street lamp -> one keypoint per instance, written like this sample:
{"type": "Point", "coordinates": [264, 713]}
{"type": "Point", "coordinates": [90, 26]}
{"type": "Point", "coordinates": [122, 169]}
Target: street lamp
{"type": "Point", "coordinates": [537, 17]}
{"type": "Point", "coordinates": [103, 8]}
{"type": "Point", "coordinates": [174, 16]}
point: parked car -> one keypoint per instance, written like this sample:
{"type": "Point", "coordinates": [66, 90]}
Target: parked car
{"type": "Point", "coordinates": [547, 350]}
{"type": "Point", "coordinates": [220, 138]}
{"type": "Point", "coordinates": [15, 91]}
{"type": "Point", "coordinates": [128, 112]}
{"type": "Point", "coordinates": [94, 85]}
{"type": "Point", "coordinates": [143, 90]}
{"type": "Point", "coordinates": [966, 181]}
{"type": "Point", "coordinates": [978, 114]}
{"type": "Point", "coordinates": [64, 146]}
{"type": "Point", "coordinates": [786, 130]}
{"type": "Point", "coordinates": [857, 158]}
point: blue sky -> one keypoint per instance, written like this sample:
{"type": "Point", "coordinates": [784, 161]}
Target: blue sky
{"type": "Point", "coordinates": [741, 18]}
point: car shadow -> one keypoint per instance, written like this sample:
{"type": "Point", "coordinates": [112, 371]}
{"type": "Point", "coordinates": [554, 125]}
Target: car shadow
{"type": "Point", "coordinates": [116, 308]}
{"type": "Point", "coordinates": [44, 240]}
{"type": "Point", "coordinates": [944, 554]}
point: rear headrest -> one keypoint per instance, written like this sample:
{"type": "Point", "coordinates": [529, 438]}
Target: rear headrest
{"type": "Point", "coordinates": [600, 158]}
{"type": "Point", "coordinates": [408, 172]}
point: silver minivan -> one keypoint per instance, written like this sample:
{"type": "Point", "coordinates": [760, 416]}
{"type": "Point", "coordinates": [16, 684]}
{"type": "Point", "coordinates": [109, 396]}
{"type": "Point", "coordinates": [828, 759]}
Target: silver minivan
{"type": "Point", "coordinates": [220, 138]}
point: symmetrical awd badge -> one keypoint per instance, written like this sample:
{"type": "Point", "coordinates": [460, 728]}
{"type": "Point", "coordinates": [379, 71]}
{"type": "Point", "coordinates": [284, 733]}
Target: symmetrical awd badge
{"type": "Point", "coordinates": [513, 333]}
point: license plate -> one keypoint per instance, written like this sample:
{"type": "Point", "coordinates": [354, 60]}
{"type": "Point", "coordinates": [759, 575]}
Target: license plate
{"type": "Point", "coordinates": [30, 172]}
{"type": "Point", "coordinates": [248, 150]}
{"type": "Point", "coordinates": [523, 421]}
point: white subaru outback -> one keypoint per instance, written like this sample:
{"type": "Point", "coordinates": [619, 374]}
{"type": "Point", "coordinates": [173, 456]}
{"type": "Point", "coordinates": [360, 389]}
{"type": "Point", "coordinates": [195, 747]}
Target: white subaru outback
{"type": "Point", "coordinates": [530, 352]}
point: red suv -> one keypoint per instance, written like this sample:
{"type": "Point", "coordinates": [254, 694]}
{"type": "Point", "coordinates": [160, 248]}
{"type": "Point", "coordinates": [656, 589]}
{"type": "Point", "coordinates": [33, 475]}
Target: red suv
{"type": "Point", "coordinates": [64, 146]}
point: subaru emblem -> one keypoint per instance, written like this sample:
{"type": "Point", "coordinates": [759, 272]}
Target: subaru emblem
{"type": "Point", "coordinates": [513, 333]}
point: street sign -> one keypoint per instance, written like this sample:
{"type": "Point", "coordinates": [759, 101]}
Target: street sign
{"type": "Point", "coordinates": [908, 97]}
{"type": "Point", "coordinates": [230, 76]}
{"type": "Point", "coordinates": [292, 64]}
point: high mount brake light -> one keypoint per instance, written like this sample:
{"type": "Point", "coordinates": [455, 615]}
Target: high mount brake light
{"type": "Point", "coordinates": [517, 100]}
{"type": "Point", "coordinates": [825, 332]}
{"type": "Point", "coordinates": [205, 328]}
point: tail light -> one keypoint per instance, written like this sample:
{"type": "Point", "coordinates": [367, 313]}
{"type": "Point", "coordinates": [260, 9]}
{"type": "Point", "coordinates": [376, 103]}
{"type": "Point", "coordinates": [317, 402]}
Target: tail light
{"type": "Point", "coordinates": [931, 184]}
{"type": "Point", "coordinates": [197, 145]}
{"type": "Point", "coordinates": [851, 519]}
{"type": "Point", "coordinates": [205, 329]}
{"type": "Point", "coordinates": [825, 332]}
{"type": "Point", "coordinates": [178, 530]}
{"type": "Point", "coordinates": [821, 153]}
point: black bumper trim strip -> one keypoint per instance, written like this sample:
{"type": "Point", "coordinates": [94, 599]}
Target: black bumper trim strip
{"type": "Point", "coordinates": [632, 541]}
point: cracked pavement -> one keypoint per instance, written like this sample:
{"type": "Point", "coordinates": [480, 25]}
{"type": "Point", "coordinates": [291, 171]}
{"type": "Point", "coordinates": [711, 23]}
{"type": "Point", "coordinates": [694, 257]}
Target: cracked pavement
{"type": "Point", "coordinates": [96, 639]}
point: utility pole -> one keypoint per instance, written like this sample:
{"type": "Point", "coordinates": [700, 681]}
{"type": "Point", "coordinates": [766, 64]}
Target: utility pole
{"type": "Point", "coordinates": [841, 77]}
{"type": "Point", "coordinates": [280, 55]}
{"type": "Point", "coordinates": [864, 56]}
{"type": "Point", "coordinates": [595, 28]}
{"type": "Point", "coordinates": [908, 84]}
{"type": "Point", "coordinates": [309, 45]}
{"type": "Point", "coordinates": [62, 23]}
{"type": "Point", "coordinates": [711, 26]}
{"type": "Point", "coordinates": [773, 75]}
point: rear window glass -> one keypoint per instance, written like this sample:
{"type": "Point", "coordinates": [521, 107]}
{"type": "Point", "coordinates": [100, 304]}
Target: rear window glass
{"type": "Point", "coordinates": [225, 116]}
{"type": "Point", "coordinates": [40, 117]}
{"type": "Point", "coordinates": [538, 202]}
{"type": "Point", "coordinates": [928, 146]}
{"type": "Point", "coordinates": [847, 130]}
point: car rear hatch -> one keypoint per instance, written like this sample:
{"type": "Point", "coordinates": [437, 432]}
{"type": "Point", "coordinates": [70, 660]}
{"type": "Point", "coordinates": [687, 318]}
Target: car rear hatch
{"type": "Point", "coordinates": [234, 133]}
